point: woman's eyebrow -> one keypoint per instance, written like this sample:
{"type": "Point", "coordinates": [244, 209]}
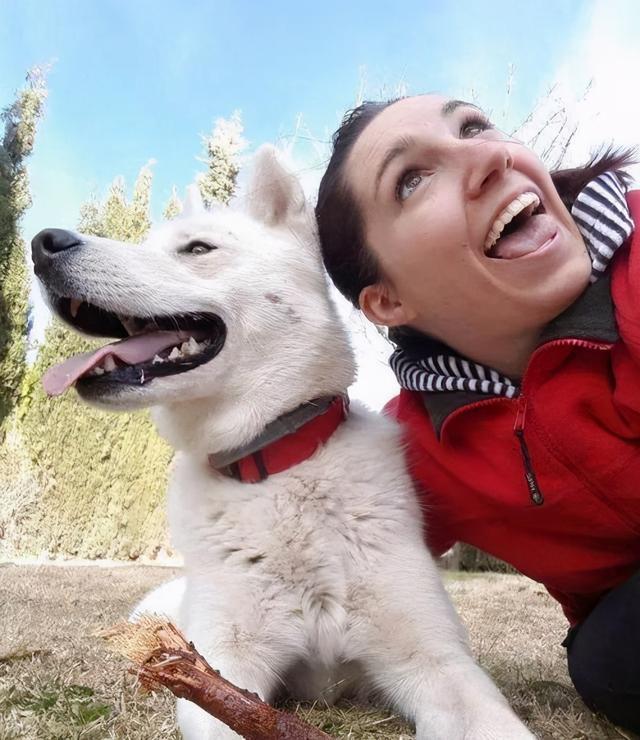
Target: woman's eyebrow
{"type": "Point", "coordinates": [451, 105]}
{"type": "Point", "coordinates": [399, 147]}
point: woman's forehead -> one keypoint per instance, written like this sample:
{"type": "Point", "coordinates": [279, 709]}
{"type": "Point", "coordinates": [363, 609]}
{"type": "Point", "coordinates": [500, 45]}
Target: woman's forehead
{"type": "Point", "coordinates": [400, 119]}
{"type": "Point", "coordinates": [421, 110]}
{"type": "Point", "coordinates": [416, 105]}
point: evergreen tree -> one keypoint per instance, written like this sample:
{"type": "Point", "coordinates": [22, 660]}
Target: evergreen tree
{"type": "Point", "coordinates": [222, 148]}
{"type": "Point", "coordinates": [115, 212]}
{"type": "Point", "coordinates": [102, 475]}
{"type": "Point", "coordinates": [173, 206]}
{"type": "Point", "coordinates": [94, 482]}
{"type": "Point", "coordinates": [20, 121]}
{"type": "Point", "coordinates": [91, 221]}
{"type": "Point", "coordinates": [139, 221]}
{"type": "Point", "coordinates": [117, 217]}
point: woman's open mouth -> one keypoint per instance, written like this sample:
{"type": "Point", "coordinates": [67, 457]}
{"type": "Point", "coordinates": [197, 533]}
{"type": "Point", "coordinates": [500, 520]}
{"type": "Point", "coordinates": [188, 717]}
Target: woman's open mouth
{"type": "Point", "coordinates": [522, 228]}
{"type": "Point", "coordinates": [148, 347]}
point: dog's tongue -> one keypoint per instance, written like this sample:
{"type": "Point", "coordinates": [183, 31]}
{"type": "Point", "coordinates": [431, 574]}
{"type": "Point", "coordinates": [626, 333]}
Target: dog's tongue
{"type": "Point", "coordinates": [526, 239]}
{"type": "Point", "coordinates": [130, 351]}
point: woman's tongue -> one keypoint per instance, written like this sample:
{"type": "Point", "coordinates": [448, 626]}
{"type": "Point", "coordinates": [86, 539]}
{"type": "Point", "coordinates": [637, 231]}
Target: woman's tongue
{"type": "Point", "coordinates": [527, 238]}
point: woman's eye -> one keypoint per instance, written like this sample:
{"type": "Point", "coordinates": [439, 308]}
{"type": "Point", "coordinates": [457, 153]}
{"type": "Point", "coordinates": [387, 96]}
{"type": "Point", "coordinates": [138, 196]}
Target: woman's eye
{"type": "Point", "coordinates": [198, 248]}
{"type": "Point", "coordinates": [474, 126]}
{"type": "Point", "coordinates": [408, 183]}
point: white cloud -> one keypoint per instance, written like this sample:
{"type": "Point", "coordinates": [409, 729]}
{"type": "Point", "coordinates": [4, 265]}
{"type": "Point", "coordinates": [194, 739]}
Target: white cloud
{"type": "Point", "coordinates": [607, 55]}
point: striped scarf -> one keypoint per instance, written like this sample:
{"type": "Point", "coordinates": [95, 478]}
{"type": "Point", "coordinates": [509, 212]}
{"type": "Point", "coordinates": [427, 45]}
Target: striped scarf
{"type": "Point", "coordinates": [602, 216]}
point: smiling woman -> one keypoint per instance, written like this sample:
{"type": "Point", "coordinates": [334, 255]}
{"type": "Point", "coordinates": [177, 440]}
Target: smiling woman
{"type": "Point", "coordinates": [512, 295]}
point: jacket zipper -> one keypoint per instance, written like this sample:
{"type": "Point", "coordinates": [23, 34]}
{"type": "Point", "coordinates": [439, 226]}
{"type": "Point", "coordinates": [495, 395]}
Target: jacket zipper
{"type": "Point", "coordinates": [535, 494]}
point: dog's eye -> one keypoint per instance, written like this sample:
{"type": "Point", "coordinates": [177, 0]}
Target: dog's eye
{"type": "Point", "coordinates": [198, 248]}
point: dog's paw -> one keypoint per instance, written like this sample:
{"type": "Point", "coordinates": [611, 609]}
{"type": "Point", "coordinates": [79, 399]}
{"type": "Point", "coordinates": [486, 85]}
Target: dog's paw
{"type": "Point", "coordinates": [502, 726]}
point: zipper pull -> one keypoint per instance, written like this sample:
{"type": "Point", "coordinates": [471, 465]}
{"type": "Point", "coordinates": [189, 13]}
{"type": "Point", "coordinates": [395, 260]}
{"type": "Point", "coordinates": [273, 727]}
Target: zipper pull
{"type": "Point", "coordinates": [535, 494]}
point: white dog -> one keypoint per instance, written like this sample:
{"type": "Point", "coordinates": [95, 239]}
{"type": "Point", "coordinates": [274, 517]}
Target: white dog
{"type": "Point", "coordinates": [306, 569]}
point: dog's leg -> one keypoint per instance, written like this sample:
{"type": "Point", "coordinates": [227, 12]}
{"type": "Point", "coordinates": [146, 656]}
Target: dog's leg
{"type": "Point", "coordinates": [414, 651]}
{"type": "Point", "coordinates": [252, 642]}
{"type": "Point", "coordinates": [163, 601]}
{"type": "Point", "coordinates": [258, 673]}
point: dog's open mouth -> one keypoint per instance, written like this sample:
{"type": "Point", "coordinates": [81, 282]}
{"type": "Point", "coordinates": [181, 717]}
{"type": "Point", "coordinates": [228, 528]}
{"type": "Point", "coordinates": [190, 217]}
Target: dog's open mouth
{"type": "Point", "coordinates": [148, 348]}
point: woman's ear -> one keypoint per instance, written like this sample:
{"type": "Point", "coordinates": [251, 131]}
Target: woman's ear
{"type": "Point", "coordinates": [380, 304]}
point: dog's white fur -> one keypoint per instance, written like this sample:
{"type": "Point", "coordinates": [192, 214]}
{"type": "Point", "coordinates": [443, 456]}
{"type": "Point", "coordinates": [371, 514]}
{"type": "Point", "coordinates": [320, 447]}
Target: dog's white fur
{"type": "Point", "coordinates": [317, 580]}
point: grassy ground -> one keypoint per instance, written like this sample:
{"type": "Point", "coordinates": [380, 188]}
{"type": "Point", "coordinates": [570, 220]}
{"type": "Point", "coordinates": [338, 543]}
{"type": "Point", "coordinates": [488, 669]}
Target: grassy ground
{"type": "Point", "coordinates": [57, 682]}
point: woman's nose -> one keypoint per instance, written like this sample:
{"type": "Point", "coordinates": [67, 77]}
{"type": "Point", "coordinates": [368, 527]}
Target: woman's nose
{"type": "Point", "coordinates": [486, 163]}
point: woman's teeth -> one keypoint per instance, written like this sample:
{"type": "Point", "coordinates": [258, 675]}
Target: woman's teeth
{"type": "Point", "coordinates": [528, 201]}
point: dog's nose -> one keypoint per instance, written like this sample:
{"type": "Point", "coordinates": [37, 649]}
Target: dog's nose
{"type": "Point", "coordinates": [53, 240]}
{"type": "Point", "coordinates": [49, 242]}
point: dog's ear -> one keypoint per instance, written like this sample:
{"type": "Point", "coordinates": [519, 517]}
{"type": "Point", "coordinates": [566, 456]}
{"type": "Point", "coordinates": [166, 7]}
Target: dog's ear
{"type": "Point", "coordinates": [193, 203]}
{"type": "Point", "coordinates": [274, 195]}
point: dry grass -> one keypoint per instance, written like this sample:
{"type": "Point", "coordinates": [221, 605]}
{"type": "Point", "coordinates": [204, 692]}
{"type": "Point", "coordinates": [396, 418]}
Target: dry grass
{"type": "Point", "coordinates": [57, 682]}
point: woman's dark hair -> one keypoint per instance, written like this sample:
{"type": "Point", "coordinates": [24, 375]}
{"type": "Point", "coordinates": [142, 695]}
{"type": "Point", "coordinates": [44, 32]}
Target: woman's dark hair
{"type": "Point", "coordinates": [350, 263]}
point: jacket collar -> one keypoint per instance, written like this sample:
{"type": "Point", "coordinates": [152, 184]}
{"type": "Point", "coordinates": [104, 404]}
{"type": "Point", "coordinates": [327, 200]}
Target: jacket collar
{"type": "Point", "coordinates": [591, 317]}
{"type": "Point", "coordinates": [289, 440]}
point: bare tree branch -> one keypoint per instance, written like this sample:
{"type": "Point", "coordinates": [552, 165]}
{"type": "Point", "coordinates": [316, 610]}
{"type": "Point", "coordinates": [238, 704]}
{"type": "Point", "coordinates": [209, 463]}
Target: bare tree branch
{"type": "Point", "coordinates": [165, 658]}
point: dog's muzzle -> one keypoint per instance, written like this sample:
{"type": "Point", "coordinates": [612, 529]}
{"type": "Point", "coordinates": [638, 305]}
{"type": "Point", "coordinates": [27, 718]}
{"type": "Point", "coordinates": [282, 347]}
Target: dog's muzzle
{"type": "Point", "coordinates": [49, 243]}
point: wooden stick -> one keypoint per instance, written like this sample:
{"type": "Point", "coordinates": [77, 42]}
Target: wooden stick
{"type": "Point", "coordinates": [165, 658]}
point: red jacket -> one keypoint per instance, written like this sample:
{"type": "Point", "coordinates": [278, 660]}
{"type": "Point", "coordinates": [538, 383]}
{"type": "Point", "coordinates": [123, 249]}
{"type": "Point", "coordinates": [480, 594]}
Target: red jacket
{"type": "Point", "coordinates": [548, 481]}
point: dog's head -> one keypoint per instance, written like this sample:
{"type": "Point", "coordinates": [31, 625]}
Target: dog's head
{"type": "Point", "coordinates": [216, 304]}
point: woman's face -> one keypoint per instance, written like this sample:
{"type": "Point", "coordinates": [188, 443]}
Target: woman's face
{"type": "Point", "coordinates": [436, 185]}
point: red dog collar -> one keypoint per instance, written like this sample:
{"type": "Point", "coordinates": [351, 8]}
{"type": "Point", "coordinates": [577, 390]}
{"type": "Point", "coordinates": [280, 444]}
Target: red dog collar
{"type": "Point", "coordinates": [292, 447]}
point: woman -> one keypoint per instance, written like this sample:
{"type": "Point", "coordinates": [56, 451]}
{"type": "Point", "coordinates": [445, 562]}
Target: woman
{"type": "Point", "coordinates": [513, 295]}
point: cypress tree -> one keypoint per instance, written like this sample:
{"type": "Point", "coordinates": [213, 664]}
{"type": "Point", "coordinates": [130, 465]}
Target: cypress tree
{"type": "Point", "coordinates": [173, 207]}
{"type": "Point", "coordinates": [222, 148]}
{"type": "Point", "coordinates": [20, 122]}
{"type": "Point", "coordinates": [115, 212]}
{"type": "Point", "coordinates": [102, 475]}
{"type": "Point", "coordinates": [139, 221]}
{"type": "Point", "coordinates": [96, 480]}
{"type": "Point", "coordinates": [91, 218]}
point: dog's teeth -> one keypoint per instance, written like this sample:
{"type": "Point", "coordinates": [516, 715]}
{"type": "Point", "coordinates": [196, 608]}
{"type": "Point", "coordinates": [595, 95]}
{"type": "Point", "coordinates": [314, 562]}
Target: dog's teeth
{"type": "Point", "coordinates": [191, 347]}
{"type": "Point", "coordinates": [129, 324]}
{"type": "Point", "coordinates": [175, 354]}
{"type": "Point", "coordinates": [156, 359]}
{"type": "Point", "coordinates": [109, 364]}
{"type": "Point", "coordinates": [74, 305]}
{"type": "Point", "coordinates": [97, 371]}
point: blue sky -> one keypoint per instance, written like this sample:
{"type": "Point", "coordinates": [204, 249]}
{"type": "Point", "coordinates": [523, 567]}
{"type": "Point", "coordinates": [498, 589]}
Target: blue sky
{"type": "Point", "coordinates": [134, 80]}
{"type": "Point", "coordinates": [138, 80]}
